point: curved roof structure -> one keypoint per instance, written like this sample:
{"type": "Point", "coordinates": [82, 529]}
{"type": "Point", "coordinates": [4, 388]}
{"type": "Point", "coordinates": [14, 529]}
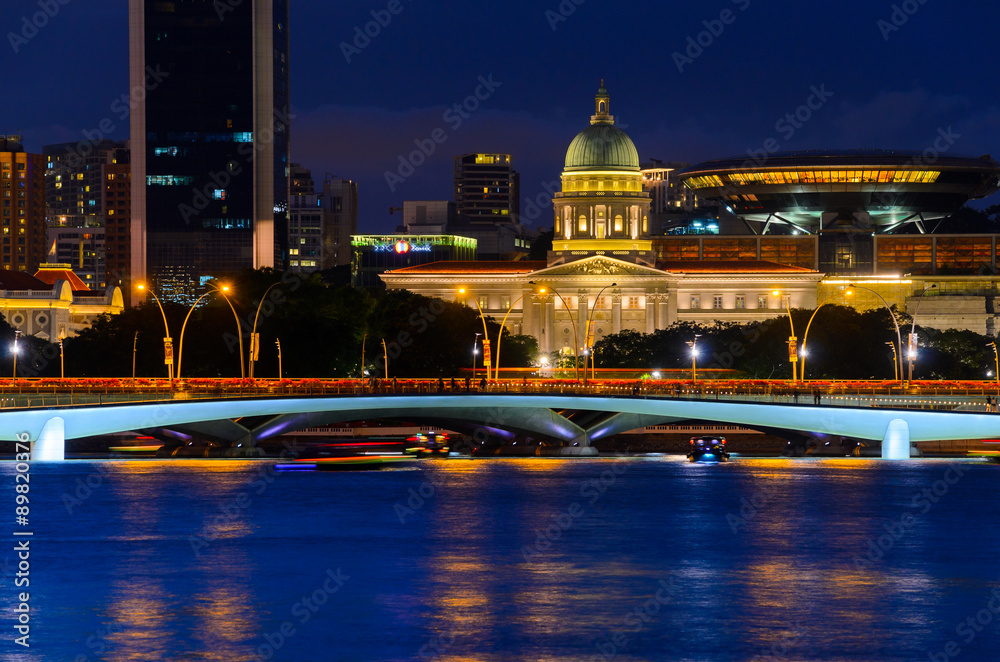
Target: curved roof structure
{"type": "Point", "coordinates": [602, 146]}
{"type": "Point", "coordinates": [891, 187]}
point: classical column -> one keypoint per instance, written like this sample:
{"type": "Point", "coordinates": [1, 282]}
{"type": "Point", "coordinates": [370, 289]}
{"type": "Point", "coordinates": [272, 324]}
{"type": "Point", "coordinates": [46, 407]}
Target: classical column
{"type": "Point", "coordinates": [651, 298]}
{"type": "Point", "coordinates": [616, 312]}
{"type": "Point", "coordinates": [537, 326]}
{"type": "Point", "coordinates": [662, 311]}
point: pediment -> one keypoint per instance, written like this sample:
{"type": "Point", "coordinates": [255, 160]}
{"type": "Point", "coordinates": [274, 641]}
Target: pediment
{"type": "Point", "coordinates": [599, 265]}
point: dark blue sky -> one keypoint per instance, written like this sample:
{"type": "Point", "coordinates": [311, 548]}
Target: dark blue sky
{"type": "Point", "coordinates": [891, 88]}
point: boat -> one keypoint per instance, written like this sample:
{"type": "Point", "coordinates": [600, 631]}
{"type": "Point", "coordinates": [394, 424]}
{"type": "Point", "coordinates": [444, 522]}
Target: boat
{"type": "Point", "coordinates": [430, 444]}
{"type": "Point", "coordinates": [708, 449]}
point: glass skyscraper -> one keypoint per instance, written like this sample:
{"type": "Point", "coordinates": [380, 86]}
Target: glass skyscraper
{"type": "Point", "coordinates": [210, 133]}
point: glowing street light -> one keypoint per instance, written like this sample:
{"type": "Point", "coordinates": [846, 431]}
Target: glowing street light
{"type": "Point", "coordinates": [15, 349]}
{"type": "Point", "coordinates": [168, 342]}
{"type": "Point", "coordinates": [805, 337]}
{"type": "Point", "coordinates": [996, 360]}
{"type": "Point", "coordinates": [793, 354]}
{"type": "Point", "coordinates": [895, 363]}
{"type": "Point", "coordinates": [180, 346]}
{"type": "Point", "coordinates": [899, 338]}
{"type": "Point", "coordinates": [486, 338]}
{"type": "Point", "coordinates": [693, 344]}
{"type": "Point", "coordinates": [572, 322]}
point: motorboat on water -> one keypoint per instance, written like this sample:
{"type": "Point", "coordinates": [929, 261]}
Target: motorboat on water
{"type": "Point", "coordinates": [708, 449]}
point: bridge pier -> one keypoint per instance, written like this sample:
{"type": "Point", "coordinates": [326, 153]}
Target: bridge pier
{"type": "Point", "coordinates": [896, 442]}
{"type": "Point", "coordinates": [51, 443]}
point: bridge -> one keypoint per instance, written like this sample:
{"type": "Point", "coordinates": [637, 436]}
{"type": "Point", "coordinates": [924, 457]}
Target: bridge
{"type": "Point", "coordinates": [572, 416]}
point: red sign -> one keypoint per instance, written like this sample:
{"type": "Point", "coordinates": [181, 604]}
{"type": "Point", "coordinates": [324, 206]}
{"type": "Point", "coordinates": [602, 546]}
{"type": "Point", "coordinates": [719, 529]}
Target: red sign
{"type": "Point", "coordinates": [487, 356]}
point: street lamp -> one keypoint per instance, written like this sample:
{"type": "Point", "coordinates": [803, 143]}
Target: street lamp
{"type": "Point", "coordinates": [363, 339]}
{"type": "Point", "coordinates": [254, 338]}
{"type": "Point", "coordinates": [475, 351]}
{"type": "Point", "coordinates": [805, 336]}
{"type": "Point", "coordinates": [503, 324]}
{"type": "Point", "coordinates": [693, 344]}
{"type": "Point", "coordinates": [576, 339]}
{"type": "Point", "coordinates": [62, 362]}
{"type": "Point", "coordinates": [793, 353]}
{"type": "Point", "coordinates": [996, 360]}
{"type": "Point", "coordinates": [277, 341]}
{"type": "Point", "coordinates": [168, 342]}
{"type": "Point", "coordinates": [911, 346]}
{"type": "Point", "coordinates": [15, 349]}
{"type": "Point", "coordinates": [385, 358]}
{"type": "Point", "coordinates": [180, 345]}
{"type": "Point", "coordinates": [895, 363]}
{"type": "Point", "coordinates": [239, 330]}
{"type": "Point", "coordinates": [486, 338]}
{"type": "Point", "coordinates": [135, 342]}
{"type": "Point", "coordinates": [586, 336]}
{"type": "Point", "coordinates": [899, 338]}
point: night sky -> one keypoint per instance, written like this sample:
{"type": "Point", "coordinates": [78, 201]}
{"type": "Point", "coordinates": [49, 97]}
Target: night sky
{"type": "Point", "coordinates": [894, 84]}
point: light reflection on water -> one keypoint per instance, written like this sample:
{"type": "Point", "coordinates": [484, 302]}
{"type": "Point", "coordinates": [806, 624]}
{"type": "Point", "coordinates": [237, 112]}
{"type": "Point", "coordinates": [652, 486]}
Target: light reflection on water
{"type": "Point", "coordinates": [527, 559]}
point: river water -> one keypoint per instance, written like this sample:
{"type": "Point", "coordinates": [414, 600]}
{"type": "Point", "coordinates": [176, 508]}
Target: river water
{"type": "Point", "coordinates": [523, 559]}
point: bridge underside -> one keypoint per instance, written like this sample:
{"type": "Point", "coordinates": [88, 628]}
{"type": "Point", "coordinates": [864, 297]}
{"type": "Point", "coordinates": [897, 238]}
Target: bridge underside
{"type": "Point", "coordinates": [570, 420]}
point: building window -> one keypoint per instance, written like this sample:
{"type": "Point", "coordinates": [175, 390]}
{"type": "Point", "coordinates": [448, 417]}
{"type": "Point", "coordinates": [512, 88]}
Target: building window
{"type": "Point", "coordinates": [762, 301]}
{"type": "Point", "coordinates": [505, 302]}
{"type": "Point", "coordinates": [717, 301]}
{"type": "Point", "coordinates": [741, 302]}
{"type": "Point", "coordinates": [599, 303]}
{"type": "Point", "coordinates": [695, 302]}
{"type": "Point", "coordinates": [633, 303]}
{"type": "Point", "coordinates": [484, 302]}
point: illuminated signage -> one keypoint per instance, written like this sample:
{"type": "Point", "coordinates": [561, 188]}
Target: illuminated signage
{"type": "Point", "coordinates": [402, 247]}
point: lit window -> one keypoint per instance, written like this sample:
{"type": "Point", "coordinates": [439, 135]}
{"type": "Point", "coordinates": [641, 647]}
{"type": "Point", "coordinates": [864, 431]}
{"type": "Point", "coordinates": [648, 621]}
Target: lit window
{"type": "Point", "coordinates": [219, 194]}
{"type": "Point", "coordinates": [293, 251]}
{"type": "Point", "coordinates": [717, 302]}
{"type": "Point", "coordinates": [505, 302]}
{"type": "Point", "coordinates": [762, 301]}
{"type": "Point", "coordinates": [633, 303]}
{"type": "Point", "coordinates": [695, 302]}
{"type": "Point", "coordinates": [741, 302]}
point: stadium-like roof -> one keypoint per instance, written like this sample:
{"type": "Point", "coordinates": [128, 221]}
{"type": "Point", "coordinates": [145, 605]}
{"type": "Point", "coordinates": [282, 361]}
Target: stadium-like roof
{"type": "Point", "coordinates": [884, 187]}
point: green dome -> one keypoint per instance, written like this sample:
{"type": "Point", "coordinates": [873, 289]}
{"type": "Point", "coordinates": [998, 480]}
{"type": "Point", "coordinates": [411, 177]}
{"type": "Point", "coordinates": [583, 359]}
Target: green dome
{"type": "Point", "coordinates": [602, 146]}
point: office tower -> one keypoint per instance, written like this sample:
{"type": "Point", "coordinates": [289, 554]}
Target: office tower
{"type": "Point", "coordinates": [22, 206]}
{"type": "Point", "coordinates": [210, 136]}
{"type": "Point", "coordinates": [486, 187]}
{"type": "Point", "coordinates": [320, 222]}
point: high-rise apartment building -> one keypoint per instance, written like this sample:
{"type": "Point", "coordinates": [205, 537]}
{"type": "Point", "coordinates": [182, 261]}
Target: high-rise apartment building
{"type": "Point", "coordinates": [209, 139]}
{"type": "Point", "coordinates": [486, 187]}
{"type": "Point", "coordinates": [22, 206]}
{"type": "Point", "coordinates": [88, 203]}
{"type": "Point", "coordinates": [320, 222]}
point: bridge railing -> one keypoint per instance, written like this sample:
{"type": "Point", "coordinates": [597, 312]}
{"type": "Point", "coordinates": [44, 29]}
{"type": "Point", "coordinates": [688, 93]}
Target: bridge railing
{"type": "Point", "coordinates": [41, 394]}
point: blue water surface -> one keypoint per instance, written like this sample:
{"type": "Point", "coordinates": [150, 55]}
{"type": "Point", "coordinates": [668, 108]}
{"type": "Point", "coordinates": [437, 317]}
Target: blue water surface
{"type": "Point", "coordinates": [521, 559]}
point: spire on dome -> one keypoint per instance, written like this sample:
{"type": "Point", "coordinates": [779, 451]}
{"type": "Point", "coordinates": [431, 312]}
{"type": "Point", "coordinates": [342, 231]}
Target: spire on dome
{"type": "Point", "coordinates": [602, 107]}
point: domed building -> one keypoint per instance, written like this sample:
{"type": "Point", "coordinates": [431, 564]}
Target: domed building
{"type": "Point", "coordinates": [601, 276]}
{"type": "Point", "coordinates": [602, 208]}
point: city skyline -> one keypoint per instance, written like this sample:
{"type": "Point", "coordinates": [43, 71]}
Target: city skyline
{"type": "Point", "coordinates": [714, 99]}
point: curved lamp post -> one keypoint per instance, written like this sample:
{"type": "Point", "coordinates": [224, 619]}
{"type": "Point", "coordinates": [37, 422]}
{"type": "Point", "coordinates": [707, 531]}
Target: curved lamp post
{"type": "Point", "coordinates": [503, 325]}
{"type": "Point", "coordinates": [576, 339]}
{"type": "Point", "coordinates": [254, 340]}
{"type": "Point", "coordinates": [485, 335]}
{"type": "Point", "coordinates": [239, 331]}
{"type": "Point", "coordinates": [895, 363]}
{"type": "Point", "coordinates": [897, 360]}
{"type": "Point", "coordinates": [180, 345]}
{"type": "Point", "coordinates": [793, 355]}
{"type": "Point", "coordinates": [911, 343]}
{"type": "Point", "coordinates": [586, 334]}
{"type": "Point", "coordinates": [996, 359]}
{"type": "Point", "coordinates": [168, 342]}
{"type": "Point", "coordinates": [805, 336]}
